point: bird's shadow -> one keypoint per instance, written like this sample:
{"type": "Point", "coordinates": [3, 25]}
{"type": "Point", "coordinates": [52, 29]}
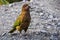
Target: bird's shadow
{"type": "Point", "coordinates": [14, 34]}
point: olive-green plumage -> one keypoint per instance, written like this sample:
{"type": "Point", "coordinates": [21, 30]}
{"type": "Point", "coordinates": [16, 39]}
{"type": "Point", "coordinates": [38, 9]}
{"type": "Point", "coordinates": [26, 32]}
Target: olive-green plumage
{"type": "Point", "coordinates": [23, 20]}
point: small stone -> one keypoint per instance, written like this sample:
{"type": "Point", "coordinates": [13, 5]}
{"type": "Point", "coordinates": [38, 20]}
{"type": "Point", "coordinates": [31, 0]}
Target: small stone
{"type": "Point", "coordinates": [41, 13]}
{"type": "Point", "coordinates": [10, 5]}
{"type": "Point", "coordinates": [3, 34]}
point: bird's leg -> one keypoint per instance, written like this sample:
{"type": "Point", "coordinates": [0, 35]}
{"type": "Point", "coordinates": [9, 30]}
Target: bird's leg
{"type": "Point", "coordinates": [25, 31]}
{"type": "Point", "coordinates": [20, 32]}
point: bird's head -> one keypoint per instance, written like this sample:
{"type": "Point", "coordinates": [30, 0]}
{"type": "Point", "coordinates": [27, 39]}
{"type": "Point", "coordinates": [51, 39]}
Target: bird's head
{"type": "Point", "coordinates": [25, 7]}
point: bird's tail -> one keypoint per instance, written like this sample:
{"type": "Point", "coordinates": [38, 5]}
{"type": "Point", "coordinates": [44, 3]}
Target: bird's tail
{"type": "Point", "coordinates": [11, 31]}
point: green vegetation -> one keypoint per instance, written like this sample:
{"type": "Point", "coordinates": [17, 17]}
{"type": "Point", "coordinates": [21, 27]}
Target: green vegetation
{"type": "Point", "coordinates": [11, 1]}
{"type": "Point", "coordinates": [8, 1]}
{"type": "Point", "coordinates": [3, 2]}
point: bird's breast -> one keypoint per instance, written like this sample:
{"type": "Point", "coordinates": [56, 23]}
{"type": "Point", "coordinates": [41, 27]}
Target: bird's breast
{"type": "Point", "coordinates": [25, 17]}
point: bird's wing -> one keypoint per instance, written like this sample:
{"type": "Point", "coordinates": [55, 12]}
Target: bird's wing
{"type": "Point", "coordinates": [17, 23]}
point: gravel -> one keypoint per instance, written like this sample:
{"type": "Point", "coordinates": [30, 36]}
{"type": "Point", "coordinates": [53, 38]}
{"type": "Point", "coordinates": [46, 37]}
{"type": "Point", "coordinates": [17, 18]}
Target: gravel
{"type": "Point", "coordinates": [45, 22]}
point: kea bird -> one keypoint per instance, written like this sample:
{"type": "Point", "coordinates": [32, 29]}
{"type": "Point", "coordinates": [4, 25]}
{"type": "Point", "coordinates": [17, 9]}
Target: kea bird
{"type": "Point", "coordinates": [23, 20]}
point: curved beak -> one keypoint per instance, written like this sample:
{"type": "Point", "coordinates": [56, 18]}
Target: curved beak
{"type": "Point", "coordinates": [29, 7]}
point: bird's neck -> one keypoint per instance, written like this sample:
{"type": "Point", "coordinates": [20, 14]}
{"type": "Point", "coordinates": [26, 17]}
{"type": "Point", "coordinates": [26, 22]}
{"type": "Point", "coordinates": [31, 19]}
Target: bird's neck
{"type": "Point", "coordinates": [24, 12]}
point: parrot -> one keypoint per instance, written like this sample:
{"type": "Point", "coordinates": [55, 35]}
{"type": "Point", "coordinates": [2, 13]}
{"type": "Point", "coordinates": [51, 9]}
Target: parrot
{"type": "Point", "coordinates": [23, 20]}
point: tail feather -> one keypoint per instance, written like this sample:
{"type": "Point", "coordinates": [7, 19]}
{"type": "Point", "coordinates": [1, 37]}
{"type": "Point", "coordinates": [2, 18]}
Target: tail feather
{"type": "Point", "coordinates": [11, 31]}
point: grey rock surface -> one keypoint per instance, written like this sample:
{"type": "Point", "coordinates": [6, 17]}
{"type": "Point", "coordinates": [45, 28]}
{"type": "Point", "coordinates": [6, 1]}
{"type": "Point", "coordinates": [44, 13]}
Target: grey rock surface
{"type": "Point", "coordinates": [45, 22]}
